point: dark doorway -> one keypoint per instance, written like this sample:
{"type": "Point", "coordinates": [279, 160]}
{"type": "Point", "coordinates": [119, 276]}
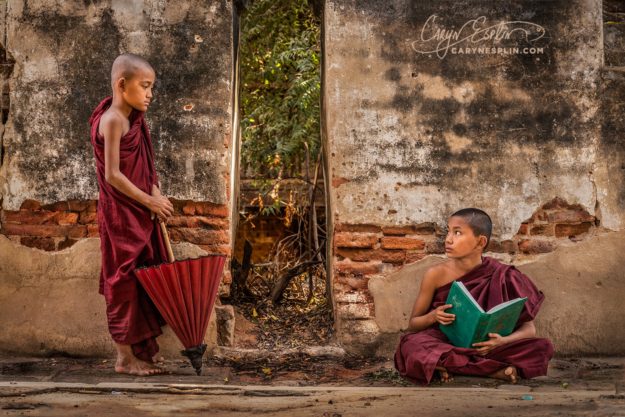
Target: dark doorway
{"type": "Point", "coordinates": [280, 288]}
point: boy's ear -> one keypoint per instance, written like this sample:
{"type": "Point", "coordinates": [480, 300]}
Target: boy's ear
{"type": "Point", "coordinates": [121, 83]}
{"type": "Point", "coordinates": [483, 241]}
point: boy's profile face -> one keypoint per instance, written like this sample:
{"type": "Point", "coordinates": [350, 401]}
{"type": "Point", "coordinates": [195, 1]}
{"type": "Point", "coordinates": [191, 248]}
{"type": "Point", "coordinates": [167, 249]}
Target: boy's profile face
{"type": "Point", "coordinates": [461, 241]}
{"type": "Point", "coordinates": [137, 90]}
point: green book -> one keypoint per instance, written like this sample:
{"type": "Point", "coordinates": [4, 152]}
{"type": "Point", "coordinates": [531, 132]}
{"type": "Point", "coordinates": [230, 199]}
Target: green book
{"type": "Point", "coordinates": [472, 324]}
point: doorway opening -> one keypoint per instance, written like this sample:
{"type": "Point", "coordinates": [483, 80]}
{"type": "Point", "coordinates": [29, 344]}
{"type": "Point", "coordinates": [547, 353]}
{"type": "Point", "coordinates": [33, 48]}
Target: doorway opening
{"type": "Point", "coordinates": [280, 289]}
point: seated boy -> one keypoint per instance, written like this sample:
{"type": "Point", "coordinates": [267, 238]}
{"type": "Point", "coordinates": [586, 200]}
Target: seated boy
{"type": "Point", "coordinates": [128, 201]}
{"type": "Point", "coordinates": [490, 282]}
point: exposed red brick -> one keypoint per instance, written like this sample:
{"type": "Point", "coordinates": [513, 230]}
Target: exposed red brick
{"type": "Point", "coordinates": [198, 221]}
{"type": "Point", "coordinates": [355, 240]}
{"type": "Point", "coordinates": [358, 268]}
{"type": "Point", "coordinates": [66, 218]}
{"type": "Point", "coordinates": [356, 283]}
{"type": "Point", "coordinates": [78, 205]}
{"type": "Point", "coordinates": [93, 206]}
{"type": "Point", "coordinates": [536, 246]}
{"type": "Point", "coordinates": [396, 242]}
{"type": "Point", "coordinates": [213, 223]}
{"type": "Point", "coordinates": [398, 230]}
{"type": "Point", "coordinates": [556, 203]}
{"type": "Point", "coordinates": [183, 221]}
{"type": "Point", "coordinates": [43, 243]}
{"type": "Point", "coordinates": [542, 229]}
{"type": "Point", "coordinates": [66, 244]}
{"type": "Point", "coordinates": [77, 232]}
{"type": "Point", "coordinates": [539, 215]}
{"type": "Point", "coordinates": [30, 205]}
{"type": "Point", "coordinates": [201, 208]}
{"type": "Point", "coordinates": [360, 228]}
{"type": "Point", "coordinates": [88, 217]}
{"type": "Point", "coordinates": [571, 230]}
{"type": "Point", "coordinates": [414, 256]}
{"type": "Point", "coordinates": [494, 246]}
{"type": "Point", "coordinates": [570, 216]}
{"type": "Point", "coordinates": [29, 217]}
{"type": "Point", "coordinates": [415, 229]}
{"type": "Point", "coordinates": [198, 236]}
{"type": "Point", "coordinates": [509, 246]}
{"type": "Point", "coordinates": [178, 205]}
{"type": "Point", "coordinates": [523, 229]}
{"type": "Point", "coordinates": [210, 209]}
{"type": "Point", "coordinates": [58, 206]}
{"type": "Point", "coordinates": [34, 230]}
{"type": "Point", "coordinates": [436, 246]}
{"type": "Point", "coordinates": [364, 255]}
{"type": "Point", "coordinates": [92, 230]}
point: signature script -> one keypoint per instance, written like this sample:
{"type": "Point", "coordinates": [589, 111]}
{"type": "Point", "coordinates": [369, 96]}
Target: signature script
{"type": "Point", "coordinates": [473, 31]}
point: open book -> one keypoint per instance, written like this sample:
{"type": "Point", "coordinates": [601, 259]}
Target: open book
{"type": "Point", "coordinates": [472, 324]}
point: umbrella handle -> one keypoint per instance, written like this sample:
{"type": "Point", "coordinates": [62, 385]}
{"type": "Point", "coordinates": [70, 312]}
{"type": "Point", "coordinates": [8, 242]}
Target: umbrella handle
{"type": "Point", "coordinates": [170, 252]}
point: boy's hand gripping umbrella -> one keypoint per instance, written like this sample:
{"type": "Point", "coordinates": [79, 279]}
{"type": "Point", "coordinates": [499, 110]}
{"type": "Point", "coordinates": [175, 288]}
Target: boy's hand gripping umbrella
{"type": "Point", "coordinates": [184, 292]}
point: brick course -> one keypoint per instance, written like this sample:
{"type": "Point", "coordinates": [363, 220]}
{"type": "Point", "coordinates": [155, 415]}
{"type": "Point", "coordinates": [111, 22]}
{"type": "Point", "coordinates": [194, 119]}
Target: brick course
{"type": "Point", "coordinates": [365, 250]}
{"type": "Point", "coordinates": [59, 225]}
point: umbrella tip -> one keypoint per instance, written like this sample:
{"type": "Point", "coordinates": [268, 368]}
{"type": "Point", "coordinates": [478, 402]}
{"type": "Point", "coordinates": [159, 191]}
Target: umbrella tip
{"type": "Point", "coordinates": [195, 356]}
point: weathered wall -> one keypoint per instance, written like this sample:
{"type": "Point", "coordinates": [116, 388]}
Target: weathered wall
{"type": "Point", "coordinates": [56, 68]}
{"type": "Point", "coordinates": [49, 302]}
{"type": "Point", "coordinates": [417, 126]}
{"type": "Point", "coordinates": [582, 283]}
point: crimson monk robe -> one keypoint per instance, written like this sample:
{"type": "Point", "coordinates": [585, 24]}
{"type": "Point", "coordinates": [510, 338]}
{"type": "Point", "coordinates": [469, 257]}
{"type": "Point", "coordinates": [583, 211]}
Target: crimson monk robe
{"type": "Point", "coordinates": [129, 237]}
{"type": "Point", "coordinates": [491, 284]}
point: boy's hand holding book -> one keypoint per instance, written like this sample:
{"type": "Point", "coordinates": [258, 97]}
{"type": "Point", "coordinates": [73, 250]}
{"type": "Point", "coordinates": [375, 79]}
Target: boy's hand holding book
{"type": "Point", "coordinates": [441, 316]}
{"type": "Point", "coordinates": [495, 340]}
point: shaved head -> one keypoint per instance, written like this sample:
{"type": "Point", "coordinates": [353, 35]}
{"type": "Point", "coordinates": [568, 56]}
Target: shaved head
{"type": "Point", "coordinates": [479, 222]}
{"type": "Point", "coordinates": [127, 65]}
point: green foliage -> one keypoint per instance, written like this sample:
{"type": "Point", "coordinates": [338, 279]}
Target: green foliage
{"type": "Point", "coordinates": [280, 85]}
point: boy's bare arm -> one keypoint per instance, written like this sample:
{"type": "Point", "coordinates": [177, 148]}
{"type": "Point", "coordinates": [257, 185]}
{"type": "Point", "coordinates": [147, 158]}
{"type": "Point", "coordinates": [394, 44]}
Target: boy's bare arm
{"type": "Point", "coordinates": [525, 331]}
{"type": "Point", "coordinates": [420, 318]}
{"type": "Point", "coordinates": [112, 131]}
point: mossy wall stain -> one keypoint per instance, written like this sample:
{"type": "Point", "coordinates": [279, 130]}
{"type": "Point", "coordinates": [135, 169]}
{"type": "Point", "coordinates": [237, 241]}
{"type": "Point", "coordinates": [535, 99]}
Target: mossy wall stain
{"type": "Point", "coordinates": [418, 135]}
{"type": "Point", "coordinates": [63, 56]}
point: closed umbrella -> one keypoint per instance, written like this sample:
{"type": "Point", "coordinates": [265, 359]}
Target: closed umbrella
{"type": "Point", "coordinates": [184, 292]}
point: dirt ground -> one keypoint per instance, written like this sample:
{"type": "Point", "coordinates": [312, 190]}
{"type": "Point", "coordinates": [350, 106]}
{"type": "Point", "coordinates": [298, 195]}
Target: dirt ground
{"type": "Point", "coordinates": [316, 383]}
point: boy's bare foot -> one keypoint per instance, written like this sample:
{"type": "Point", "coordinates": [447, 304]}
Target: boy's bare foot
{"type": "Point", "coordinates": [137, 367]}
{"type": "Point", "coordinates": [444, 375]}
{"type": "Point", "coordinates": [506, 374]}
{"type": "Point", "coordinates": [128, 363]}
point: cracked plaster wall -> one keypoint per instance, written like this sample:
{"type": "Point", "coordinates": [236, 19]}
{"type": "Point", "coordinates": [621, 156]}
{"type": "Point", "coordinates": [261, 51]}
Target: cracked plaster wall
{"type": "Point", "coordinates": [414, 136]}
{"type": "Point", "coordinates": [63, 52]}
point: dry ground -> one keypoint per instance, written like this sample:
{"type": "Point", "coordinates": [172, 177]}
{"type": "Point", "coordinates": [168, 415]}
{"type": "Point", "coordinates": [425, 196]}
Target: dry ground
{"type": "Point", "coordinates": [322, 383]}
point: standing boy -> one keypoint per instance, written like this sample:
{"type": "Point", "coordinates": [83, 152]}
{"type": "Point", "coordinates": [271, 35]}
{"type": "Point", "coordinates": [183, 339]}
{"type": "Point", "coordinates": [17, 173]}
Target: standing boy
{"type": "Point", "coordinates": [128, 202]}
{"type": "Point", "coordinates": [427, 349]}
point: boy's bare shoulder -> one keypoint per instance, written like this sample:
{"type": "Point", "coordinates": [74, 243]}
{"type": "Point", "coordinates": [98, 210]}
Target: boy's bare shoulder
{"type": "Point", "coordinates": [111, 122]}
{"type": "Point", "coordinates": [438, 275]}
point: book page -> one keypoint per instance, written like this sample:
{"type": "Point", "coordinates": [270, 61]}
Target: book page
{"type": "Point", "coordinates": [469, 296]}
{"type": "Point", "coordinates": [504, 305]}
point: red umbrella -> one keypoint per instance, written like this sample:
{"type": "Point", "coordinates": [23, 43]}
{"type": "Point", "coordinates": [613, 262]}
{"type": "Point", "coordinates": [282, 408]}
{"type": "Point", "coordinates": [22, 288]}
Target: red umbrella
{"type": "Point", "coordinates": [184, 292]}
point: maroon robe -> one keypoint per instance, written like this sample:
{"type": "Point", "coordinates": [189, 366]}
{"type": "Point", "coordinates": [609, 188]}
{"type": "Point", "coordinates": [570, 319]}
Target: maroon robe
{"type": "Point", "coordinates": [128, 237]}
{"type": "Point", "coordinates": [491, 283]}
